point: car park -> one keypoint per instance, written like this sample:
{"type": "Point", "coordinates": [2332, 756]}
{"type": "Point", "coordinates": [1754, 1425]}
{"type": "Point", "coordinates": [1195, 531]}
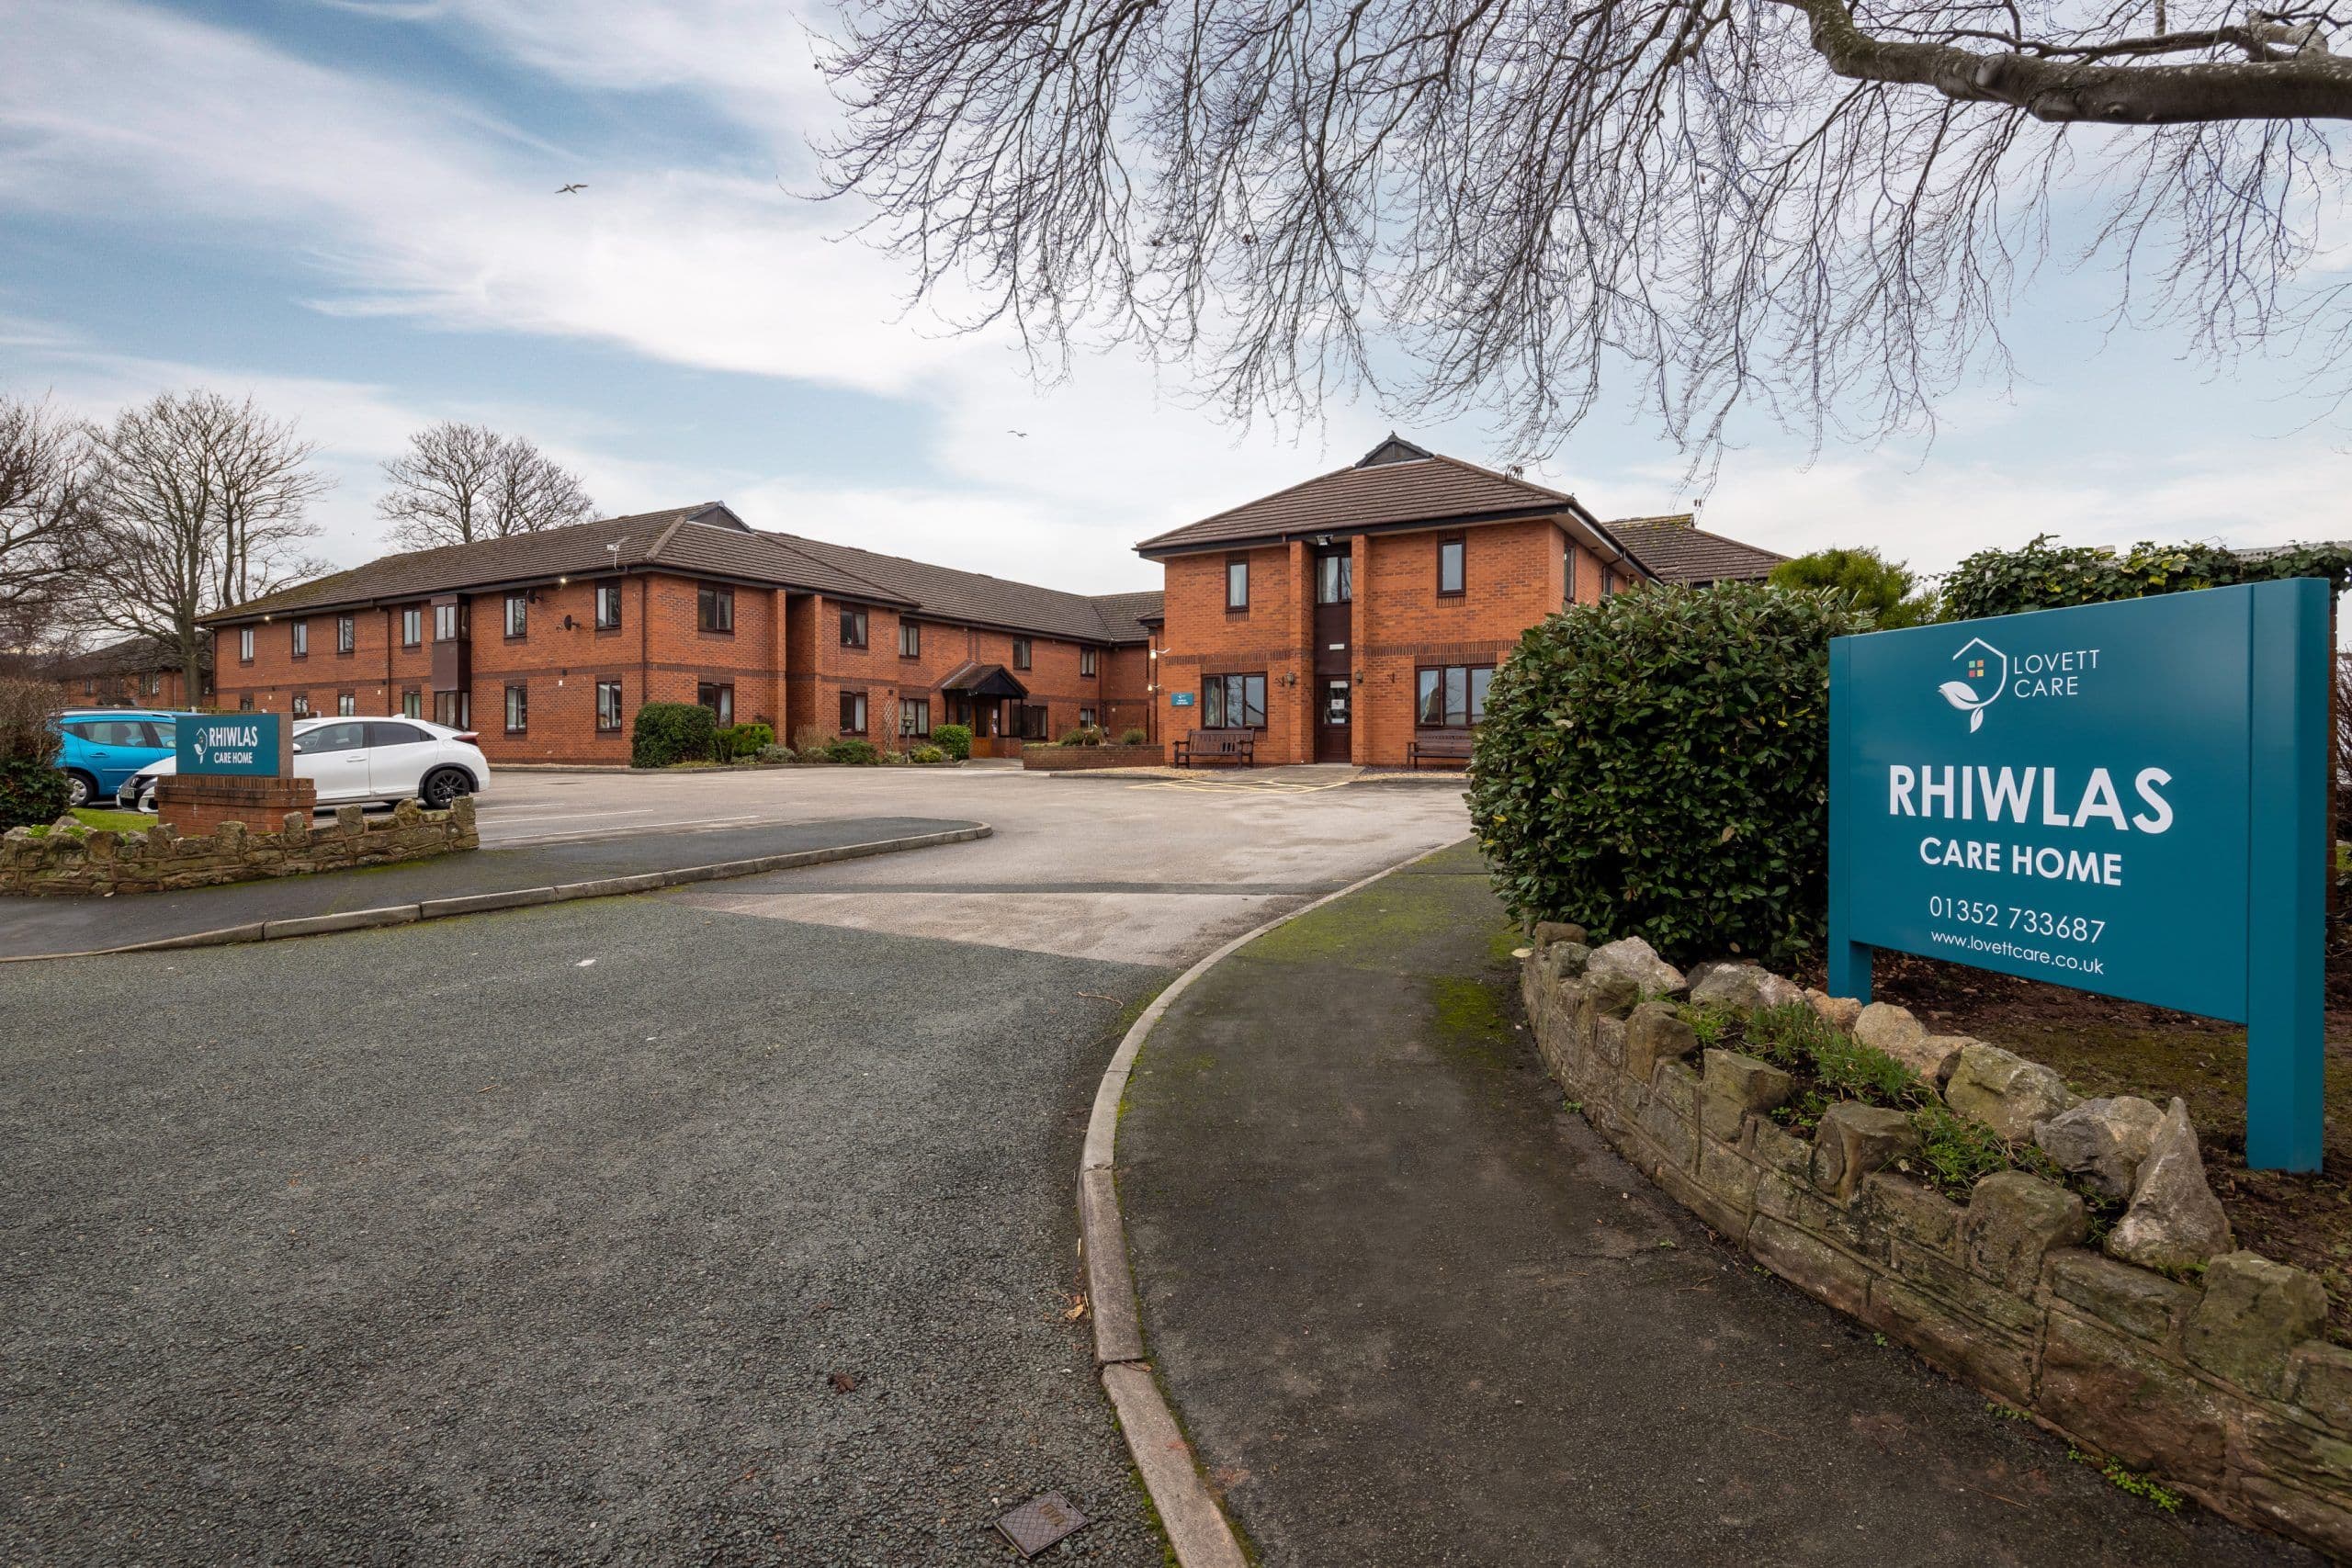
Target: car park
{"type": "Point", "coordinates": [98, 749]}
{"type": "Point", "coordinates": [363, 760]}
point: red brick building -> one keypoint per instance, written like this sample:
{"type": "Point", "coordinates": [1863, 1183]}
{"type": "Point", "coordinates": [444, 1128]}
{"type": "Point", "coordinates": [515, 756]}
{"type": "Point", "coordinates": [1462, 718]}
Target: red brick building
{"type": "Point", "coordinates": [546, 644]}
{"type": "Point", "coordinates": [1347, 618]}
{"type": "Point", "coordinates": [139, 671]}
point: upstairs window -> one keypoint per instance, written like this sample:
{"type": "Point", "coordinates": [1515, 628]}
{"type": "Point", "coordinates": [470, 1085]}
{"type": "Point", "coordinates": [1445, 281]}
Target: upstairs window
{"type": "Point", "coordinates": [1448, 566]}
{"type": "Point", "coordinates": [1335, 580]}
{"type": "Point", "coordinates": [244, 645]}
{"type": "Point", "coordinates": [853, 634]}
{"type": "Point", "coordinates": [1021, 653]}
{"type": "Point", "coordinates": [411, 627]}
{"type": "Point", "coordinates": [609, 608]}
{"type": "Point", "coordinates": [910, 642]}
{"type": "Point", "coordinates": [448, 622]}
{"type": "Point", "coordinates": [714, 608]}
{"type": "Point", "coordinates": [518, 615]}
{"type": "Point", "coordinates": [1236, 584]}
{"type": "Point", "coordinates": [346, 634]}
{"type": "Point", "coordinates": [1085, 661]}
{"type": "Point", "coordinates": [301, 631]}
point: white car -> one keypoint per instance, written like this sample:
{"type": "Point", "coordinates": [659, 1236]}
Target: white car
{"type": "Point", "coordinates": [362, 760]}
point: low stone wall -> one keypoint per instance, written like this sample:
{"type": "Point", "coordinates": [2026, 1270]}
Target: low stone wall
{"type": "Point", "coordinates": [101, 862]}
{"type": "Point", "coordinates": [2217, 1380]}
{"type": "Point", "coordinates": [1072, 758]}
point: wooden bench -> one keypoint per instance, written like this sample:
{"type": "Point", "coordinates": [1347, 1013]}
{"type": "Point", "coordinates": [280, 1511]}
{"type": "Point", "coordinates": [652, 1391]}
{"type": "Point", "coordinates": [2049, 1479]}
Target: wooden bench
{"type": "Point", "coordinates": [1447, 751]}
{"type": "Point", "coordinates": [1235, 746]}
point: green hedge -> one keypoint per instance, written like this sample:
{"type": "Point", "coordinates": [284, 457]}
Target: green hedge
{"type": "Point", "coordinates": [1656, 765]}
{"type": "Point", "coordinates": [849, 750]}
{"type": "Point", "coordinates": [672, 732]}
{"type": "Point", "coordinates": [955, 739]}
{"type": "Point", "coordinates": [735, 742]}
{"type": "Point", "coordinates": [2046, 575]}
{"type": "Point", "coordinates": [32, 792]}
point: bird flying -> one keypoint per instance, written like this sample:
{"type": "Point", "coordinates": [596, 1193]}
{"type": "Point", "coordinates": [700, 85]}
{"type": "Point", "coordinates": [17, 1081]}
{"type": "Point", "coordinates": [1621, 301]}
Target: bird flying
{"type": "Point", "coordinates": [566, 190]}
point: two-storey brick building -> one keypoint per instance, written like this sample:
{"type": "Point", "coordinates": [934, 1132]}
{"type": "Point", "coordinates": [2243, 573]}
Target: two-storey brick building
{"type": "Point", "coordinates": [137, 671]}
{"type": "Point", "coordinates": [1344, 618]}
{"type": "Point", "coordinates": [546, 644]}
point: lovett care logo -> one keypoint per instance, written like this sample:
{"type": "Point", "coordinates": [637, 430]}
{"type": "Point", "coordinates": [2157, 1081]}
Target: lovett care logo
{"type": "Point", "coordinates": [1988, 675]}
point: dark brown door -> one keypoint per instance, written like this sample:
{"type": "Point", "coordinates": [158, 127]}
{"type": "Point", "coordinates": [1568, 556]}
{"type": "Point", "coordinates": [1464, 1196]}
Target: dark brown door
{"type": "Point", "coordinates": [1334, 703]}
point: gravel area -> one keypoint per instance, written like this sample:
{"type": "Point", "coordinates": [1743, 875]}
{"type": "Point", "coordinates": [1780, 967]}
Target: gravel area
{"type": "Point", "coordinates": [750, 1242]}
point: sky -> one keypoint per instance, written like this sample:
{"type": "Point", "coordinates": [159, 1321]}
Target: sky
{"type": "Point", "coordinates": [347, 208]}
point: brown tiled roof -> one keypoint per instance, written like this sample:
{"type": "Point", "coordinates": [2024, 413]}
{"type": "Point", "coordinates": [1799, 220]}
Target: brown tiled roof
{"type": "Point", "coordinates": [974, 598]}
{"type": "Point", "coordinates": [1124, 614]}
{"type": "Point", "coordinates": [1392, 486]}
{"type": "Point", "coordinates": [131, 655]}
{"type": "Point", "coordinates": [1676, 552]}
{"type": "Point", "coordinates": [709, 540]}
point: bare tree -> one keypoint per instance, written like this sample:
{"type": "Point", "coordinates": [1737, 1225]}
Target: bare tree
{"type": "Point", "coordinates": [1816, 208]}
{"type": "Point", "coordinates": [44, 462]}
{"type": "Point", "coordinates": [199, 504]}
{"type": "Point", "coordinates": [457, 483]}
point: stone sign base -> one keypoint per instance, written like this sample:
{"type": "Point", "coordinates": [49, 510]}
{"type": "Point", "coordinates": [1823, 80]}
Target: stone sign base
{"type": "Point", "coordinates": [196, 804]}
{"type": "Point", "coordinates": [65, 861]}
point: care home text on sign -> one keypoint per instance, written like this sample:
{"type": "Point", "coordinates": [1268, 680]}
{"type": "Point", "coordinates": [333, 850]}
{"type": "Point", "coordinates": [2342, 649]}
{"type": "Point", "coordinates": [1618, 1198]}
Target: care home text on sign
{"type": "Point", "coordinates": [2126, 798]}
{"type": "Point", "coordinates": [245, 743]}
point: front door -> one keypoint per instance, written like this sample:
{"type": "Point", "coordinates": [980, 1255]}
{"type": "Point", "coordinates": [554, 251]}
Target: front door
{"type": "Point", "coordinates": [1331, 714]}
{"type": "Point", "coordinates": [985, 718]}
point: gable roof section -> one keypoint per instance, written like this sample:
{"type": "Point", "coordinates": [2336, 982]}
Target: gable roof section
{"type": "Point", "coordinates": [1675, 550]}
{"type": "Point", "coordinates": [1395, 485]}
{"type": "Point", "coordinates": [1125, 617]}
{"type": "Point", "coordinates": [975, 598]}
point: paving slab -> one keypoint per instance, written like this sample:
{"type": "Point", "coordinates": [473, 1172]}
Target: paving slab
{"type": "Point", "coordinates": [33, 927]}
{"type": "Point", "coordinates": [1411, 1310]}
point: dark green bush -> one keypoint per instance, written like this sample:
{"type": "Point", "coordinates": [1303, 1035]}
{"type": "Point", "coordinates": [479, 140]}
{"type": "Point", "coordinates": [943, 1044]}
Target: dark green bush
{"type": "Point", "coordinates": [1656, 765]}
{"type": "Point", "coordinates": [853, 750]}
{"type": "Point", "coordinates": [2045, 576]}
{"type": "Point", "coordinates": [929, 755]}
{"type": "Point", "coordinates": [672, 732]}
{"type": "Point", "coordinates": [1886, 588]}
{"type": "Point", "coordinates": [1133, 738]}
{"type": "Point", "coordinates": [955, 739]}
{"type": "Point", "coordinates": [32, 792]}
{"type": "Point", "coordinates": [738, 740]}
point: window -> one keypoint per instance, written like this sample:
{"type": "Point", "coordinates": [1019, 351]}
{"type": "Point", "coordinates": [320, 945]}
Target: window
{"type": "Point", "coordinates": [1236, 584]}
{"type": "Point", "coordinates": [714, 609]}
{"type": "Point", "coordinates": [914, 715]}
{"type": "Point", "coordinates": [1335, 580]}
{"type": "Point", "coordinates": [244, 645]}
{"type": "Point", "coordinates": [1021, 653]}
{"type": "Point", "coordinates": [853, 712]}
{"type": "Point", "coordinates": [301, 705]}
{"type": "Point", "coordinates": [89, 685]}
{"type": "Point", "coordinates": [608, 703]}
{"type": "Point", "coordinates": [412, 626]}
{"type": "Point", "coordinates": [1448, 566]}
{"type": "Point", "coordinates": [1233, 702]}
{"type": "Point", "coordinates": [333, 737]}
{"type": "Point", "coordinates": [518, 709]}
{"type": "Point", "coordinates": [245, 703]}
{"type": "Point", "coordinates": [454, 709]}
{"type": "Point", "coordinates": [448, 622]}
{"type": "Point", "coordinates": [1086, 718]}
{"type": "Point", "coordinates": [910, 642]}
{"type": "Point", "coordinates": [518, 615]}
{"type": "Point", "coordinates": [1085, 661]}
{"type": "Point", "coordinates": [1571, 596]}
{"type": "Point", "coordinates": [853, 627]}
{"type": "Point", "coordinates": [346, 635]}
{"type": "Point", "coordinates": [1451, 697]}
{"type": "Point", "coordinates": [300, 632]}
{"type": "Point", "coordinates": [382, 732]}
{"type": "Point", "coordinates": [154, 682]}
{"type": "Point", "coordinates": [346, 703]}
{"type": "Point", "coordinates": [718, 699]}
{"type": "Point", "coordinates": [412, 703]}
{"type": "Point", "coordinates": [1607, 581]}
{"type": "Point", "coordinates": [1034, 718]}
{"type": "Point", "coordinates": [608, 609]}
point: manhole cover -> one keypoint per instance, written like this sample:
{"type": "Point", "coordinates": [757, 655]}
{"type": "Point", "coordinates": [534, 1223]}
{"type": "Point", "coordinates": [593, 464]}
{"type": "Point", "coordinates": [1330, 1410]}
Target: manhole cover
{"type": "Point", "coordinates": [1040, 1522]}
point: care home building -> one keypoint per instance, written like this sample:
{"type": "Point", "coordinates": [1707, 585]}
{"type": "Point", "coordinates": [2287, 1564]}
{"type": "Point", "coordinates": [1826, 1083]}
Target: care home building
{"type": "Point", "coordinates": [1361, 614]}
{"type": "Point", "coordinates": [546, 644]}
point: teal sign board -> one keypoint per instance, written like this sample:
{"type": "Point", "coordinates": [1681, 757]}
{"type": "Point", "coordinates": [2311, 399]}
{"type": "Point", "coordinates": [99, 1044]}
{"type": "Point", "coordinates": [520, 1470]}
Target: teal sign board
{"type": "Point", "coordinates": [230, 743]}
{"type": "Point", "coordinates": [2127, 798]}
{"type": "Point", "coordinates": [1180, 699]}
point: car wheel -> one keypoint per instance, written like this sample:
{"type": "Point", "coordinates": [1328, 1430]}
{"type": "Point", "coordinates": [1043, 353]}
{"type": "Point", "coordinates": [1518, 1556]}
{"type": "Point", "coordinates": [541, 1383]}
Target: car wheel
{"type": "Point", "coordinates": [442, 786]}
{"type": "Point", "coordinates": [80, 790]}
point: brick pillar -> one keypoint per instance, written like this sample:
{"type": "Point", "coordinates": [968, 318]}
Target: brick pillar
{"type": "Point", "coordinates": [781, 662]}
{"type": "Point", "coordinates": [1360, 719]}
{"type": "Point", "coordinates": [196, 804]}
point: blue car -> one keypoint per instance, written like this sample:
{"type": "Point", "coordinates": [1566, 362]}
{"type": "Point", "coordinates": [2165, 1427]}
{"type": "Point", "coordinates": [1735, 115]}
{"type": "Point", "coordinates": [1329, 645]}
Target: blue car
{"type": "Point", "coordinates": [102, 747]}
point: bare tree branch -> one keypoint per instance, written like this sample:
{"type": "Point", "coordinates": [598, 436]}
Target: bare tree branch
{"type": "Point", "coordinates": [43, 496]}
{"type": "Point", "coordinates": [457, 483]}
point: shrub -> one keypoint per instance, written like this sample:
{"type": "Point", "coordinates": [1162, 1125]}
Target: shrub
{"type": "Point", "coordinates": [1084, 735]}
{"type": "Point", "coordinates": [927, 755]}
{"type": "Point", "coordinates": [955, 739]}
{"type": "Point", "coordinates": [778, 754]}
{"type": "Point", "coordinates": [1656, 765]}
{"type": "Point", "coordinates": [847, 749]}
{"type": "Point", "coordinates": [672, 732]}
{"type": "Point", "coordinates": [32, 792]}
{"type": "Point", "coordinates": [1883, 588]}
{"type": "Point", "coordinates": [738, 740]}
{"type": "Point", "coordinates": [2044, 575]}
{"type": "Point", "coordinates": [1133, 737]}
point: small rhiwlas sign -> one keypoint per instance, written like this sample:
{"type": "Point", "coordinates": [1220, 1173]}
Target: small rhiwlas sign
{"type": "Point", "coordinates": [243, 743]}
{"type": "Point", "coordinates": [2127, 798]}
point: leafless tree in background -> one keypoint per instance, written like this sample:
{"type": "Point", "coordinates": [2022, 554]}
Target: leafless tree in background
{"type": "Point", "coordinates": [1816, 208]}
{"type": "Point", "coordinates": [43, 506]}
{"type": "Point", "coordinates": [457, 483]}
{"type": "Point", "coordinates": [198, 503]}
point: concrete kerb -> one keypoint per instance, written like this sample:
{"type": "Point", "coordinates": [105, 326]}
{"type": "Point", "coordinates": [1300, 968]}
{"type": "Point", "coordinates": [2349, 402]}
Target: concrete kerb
{"type": "Point", "coordinates": [1197, 1527]}
{"type": "Point", "coordinates": [519, 898]}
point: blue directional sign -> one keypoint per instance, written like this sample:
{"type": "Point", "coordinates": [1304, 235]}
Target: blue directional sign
{"type": "Point", "coordinates": [2126, 798]}
{"type": "Point", "coordinates": [243, 743]}
{"type": "Point", "coordinates": [1180, 699]}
